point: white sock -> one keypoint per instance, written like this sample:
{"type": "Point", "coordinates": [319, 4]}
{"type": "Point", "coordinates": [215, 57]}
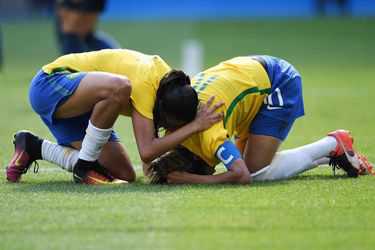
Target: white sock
{"type": "Point", "coordinates": [64, 157]}
{"type": "Point", "coordinates": [322, 161]}
{"type": "Point", "coordinates": [289, 163]}
{"type": "Point", "coordinates": [93, 142]}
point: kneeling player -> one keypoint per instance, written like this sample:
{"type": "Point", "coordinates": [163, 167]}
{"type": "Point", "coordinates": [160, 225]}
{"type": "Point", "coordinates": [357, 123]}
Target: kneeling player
{"type": "Point", "coordinates": [263, 98]}
{"type": "Point", "coordinates": [79, 97]}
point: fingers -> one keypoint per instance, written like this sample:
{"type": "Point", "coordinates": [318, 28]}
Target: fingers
{"type": "Point", "coordinates": [210, 101]}
{"type": "Point", "coordinates": [207, 106]}
{"type": "Point", "coordinates": [217, 117]}
{"type": "Point", "coordinates": [212, 112]}
{"type": "Point", "coordinates": [216, 107]}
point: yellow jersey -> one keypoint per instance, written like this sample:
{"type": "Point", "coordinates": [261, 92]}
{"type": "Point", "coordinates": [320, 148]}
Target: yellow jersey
{"type": "Point", "coordinates": [143, 71]}
{"type": "Point", "coordinates": [242, 84]}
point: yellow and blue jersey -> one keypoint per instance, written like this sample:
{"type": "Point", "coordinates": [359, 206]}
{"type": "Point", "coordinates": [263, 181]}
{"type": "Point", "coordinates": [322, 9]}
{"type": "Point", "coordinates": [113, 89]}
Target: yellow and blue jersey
{"type": "Point", "coordinates": [143, 71]}
{"type": "Point", "coordinates": [242, 84]}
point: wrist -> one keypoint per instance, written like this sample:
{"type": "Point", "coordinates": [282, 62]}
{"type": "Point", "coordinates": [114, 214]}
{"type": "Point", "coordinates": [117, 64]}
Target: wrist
{"type": "Point", "coordinates": [195, 126]}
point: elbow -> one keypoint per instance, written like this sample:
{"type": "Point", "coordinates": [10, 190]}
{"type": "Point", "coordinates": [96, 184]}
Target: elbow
{"type": "Point", "coordinates": [146, 156]}
{"type": "Point", "coordinates": [244, 179]}
{"type": "Point", "coordinates": [241, 176]}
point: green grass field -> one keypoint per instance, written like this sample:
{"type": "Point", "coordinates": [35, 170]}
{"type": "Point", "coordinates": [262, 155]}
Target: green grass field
{"type": "Point", "coordinates": [313, 211]}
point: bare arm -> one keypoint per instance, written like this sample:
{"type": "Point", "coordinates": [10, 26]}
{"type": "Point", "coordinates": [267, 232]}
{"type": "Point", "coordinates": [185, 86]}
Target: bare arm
{"type": "Point", "coordinates": [238, 174]}
{"type": "Point", "coordinates": [150, 147]}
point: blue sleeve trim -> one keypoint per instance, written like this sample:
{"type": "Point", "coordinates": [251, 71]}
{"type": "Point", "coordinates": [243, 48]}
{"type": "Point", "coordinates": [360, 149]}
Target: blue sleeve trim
{"type": "Point", "coordinates": [227, 153]}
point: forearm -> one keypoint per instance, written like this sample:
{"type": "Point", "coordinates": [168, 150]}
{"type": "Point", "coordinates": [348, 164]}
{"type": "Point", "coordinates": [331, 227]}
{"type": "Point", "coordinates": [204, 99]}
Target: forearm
{"type": "Point", "coordinates": [158, 146]}
{"type": "Point", "coordinates": [146, 169]}
{"type": "Point", "coordinates": [150, 147]}
{"type": "Point", "coordinates": [227, 177]}
{"type": "Point", "coordinates": [233, 177]}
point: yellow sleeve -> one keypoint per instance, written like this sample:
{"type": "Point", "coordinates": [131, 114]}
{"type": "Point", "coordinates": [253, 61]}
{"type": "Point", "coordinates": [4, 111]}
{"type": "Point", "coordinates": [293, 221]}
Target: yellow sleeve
{"type": "Point", "coordinates": [206, 143]}
{"type": "Point", "coordinates": [213, 137]}
{"type": "Point", "coordinates": [143, 98]}
{"type": "Point", "coordinates": [144, 91]}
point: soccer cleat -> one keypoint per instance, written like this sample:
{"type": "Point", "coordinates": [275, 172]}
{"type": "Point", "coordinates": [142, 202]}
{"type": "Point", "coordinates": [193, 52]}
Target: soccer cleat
{"type": "Point", "coordinates": [345, 157]}
{"type": "Point", "coordinates": [365, 167]}
{"type": "Point", "coordinates": [91, 173]}
{"type": "Point", "coordinates": [27, 149]}
{"type": "Point", "coordinates": [94, 178]}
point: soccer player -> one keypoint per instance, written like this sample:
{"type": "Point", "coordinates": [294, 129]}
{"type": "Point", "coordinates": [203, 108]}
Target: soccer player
{"type": "Point", "coordinates": [75, 26]}
{"type": "Point", "coordinates": [262, 98]}
{"type": "Point", "coordinates": [80, 96]}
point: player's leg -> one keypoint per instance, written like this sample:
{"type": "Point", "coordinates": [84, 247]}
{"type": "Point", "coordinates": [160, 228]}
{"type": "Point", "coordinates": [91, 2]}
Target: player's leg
{"type": "Point", "coordinates": [30, 148]}
{"type": "Point", "coordinates": [265, 163]}
{"type": "Point", "coordinates": [106, 95]}
{"type": "Point", "coordinates": [335, 149]}
{"type": "Point", "coordinates": [115, 159]}
{"type": "Point", "coordinates": [273, 123]}
{"type": "Point", "coordinates": [267, 131]}
{"type": "Point", "coordinates": [104, 109]}
{"type": "Point", "coordinates": [289, 163]}
{"type": "Point", "coordinates": [276, 116]}
{"type": "Point", "coordinates": [61, 96]}
{"type": "Point", "coordinates": [259, 151]}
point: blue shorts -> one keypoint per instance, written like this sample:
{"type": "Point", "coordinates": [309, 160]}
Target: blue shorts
{"type": "Point", "coordinates": [285, 102]}
{"type": "Point", "coordinates": [47, 92]}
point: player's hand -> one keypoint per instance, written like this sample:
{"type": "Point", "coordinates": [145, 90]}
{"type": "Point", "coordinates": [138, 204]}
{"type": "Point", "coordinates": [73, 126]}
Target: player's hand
{"type": "Point", "coordinates": [207, 115]}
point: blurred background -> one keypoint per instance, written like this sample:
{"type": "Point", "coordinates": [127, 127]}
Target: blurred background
{"type": "Point", "coordinates": [331, 42]}
{"type": "Point", "coordinates": [210, 30]}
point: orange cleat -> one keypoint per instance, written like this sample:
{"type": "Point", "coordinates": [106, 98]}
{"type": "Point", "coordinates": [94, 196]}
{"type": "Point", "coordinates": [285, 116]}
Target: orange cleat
{"type": "Point", "coordinates": [94, 178]}
{"type": "Point", "coordinates": [93, 173]}
{"type": "Point", "coordinates": [345, 157]}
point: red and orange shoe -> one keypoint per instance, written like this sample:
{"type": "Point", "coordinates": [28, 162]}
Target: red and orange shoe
{"type": "Point", "coordinates": [92, 173]}
{"type": "Point", "coordinates": [27, 149]}
{"type": "Point", "coordinates": [345, 157]}
{"type": "Point", "coordinates": [94, 178]}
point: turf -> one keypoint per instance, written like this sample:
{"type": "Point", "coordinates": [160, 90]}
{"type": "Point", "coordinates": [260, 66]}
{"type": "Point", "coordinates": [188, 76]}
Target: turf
{"type": "Point", "coordinates": [313, 211]}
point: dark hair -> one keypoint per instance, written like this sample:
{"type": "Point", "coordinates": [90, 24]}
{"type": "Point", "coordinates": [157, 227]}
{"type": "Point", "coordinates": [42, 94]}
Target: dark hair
{"type": "Point", "coordinates": [176, 99]}
{"type": "Point", "coordinates": [178, 159]}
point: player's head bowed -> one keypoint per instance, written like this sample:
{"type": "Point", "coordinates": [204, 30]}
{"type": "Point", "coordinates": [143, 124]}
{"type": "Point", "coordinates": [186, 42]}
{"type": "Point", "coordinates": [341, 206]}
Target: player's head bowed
{"type": "Point", "coordinates": [176, 101]}
{"type": "Point", "coordinates": [178, 159]}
